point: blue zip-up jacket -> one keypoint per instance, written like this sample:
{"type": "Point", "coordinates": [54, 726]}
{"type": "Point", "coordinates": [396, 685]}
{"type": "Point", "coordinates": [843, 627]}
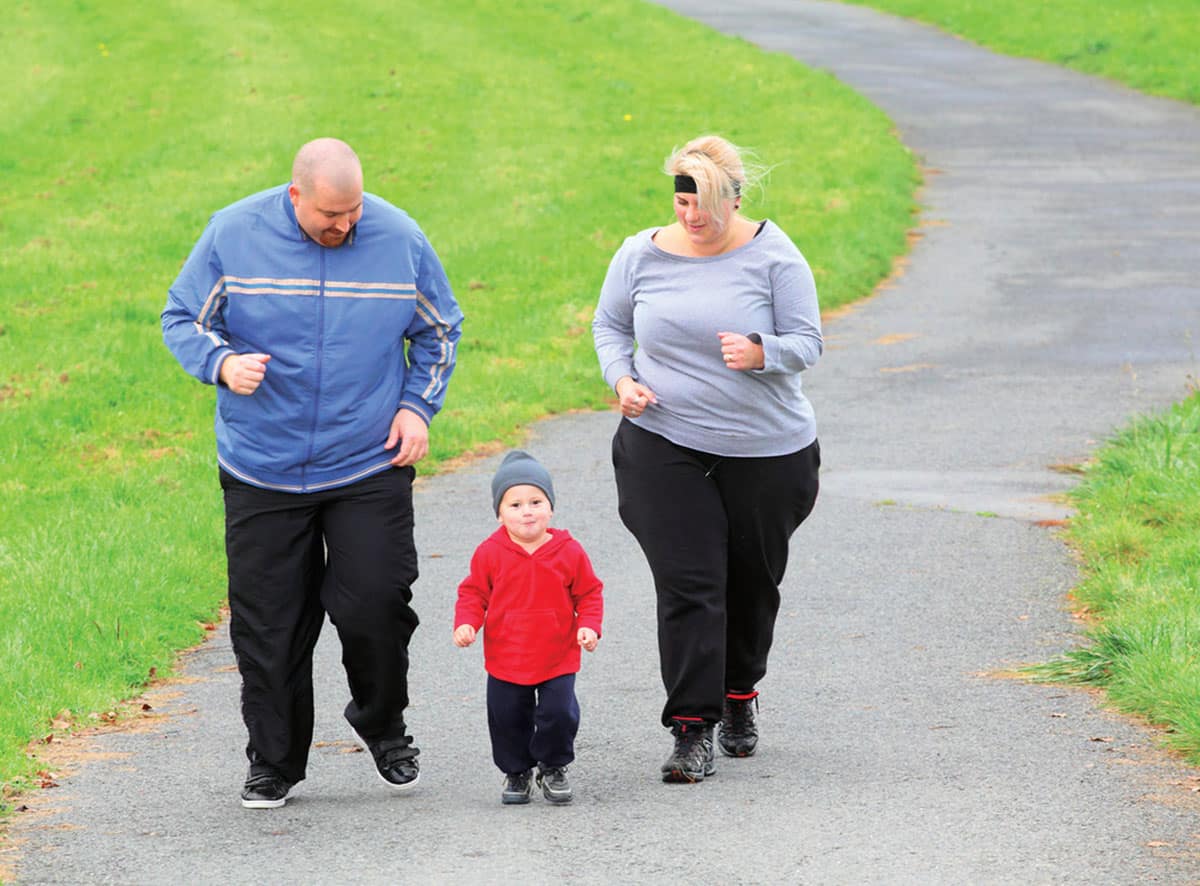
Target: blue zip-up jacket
{"type": "Point", "coordinates": [354, 333]}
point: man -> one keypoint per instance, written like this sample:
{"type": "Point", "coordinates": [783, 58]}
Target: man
{"type": "Point", "coordinates": [324, 318]}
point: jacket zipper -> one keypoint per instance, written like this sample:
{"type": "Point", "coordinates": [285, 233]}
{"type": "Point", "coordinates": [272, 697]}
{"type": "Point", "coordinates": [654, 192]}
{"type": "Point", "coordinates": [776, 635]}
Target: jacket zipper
{"type": "Point", "coordinates": [320, 349]}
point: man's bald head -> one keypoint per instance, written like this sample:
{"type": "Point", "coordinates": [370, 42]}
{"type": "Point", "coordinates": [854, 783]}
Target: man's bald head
{"type": "Point", "coordinates": [327, 190]}
{"type": "Point", "coordinates": [327, 160]}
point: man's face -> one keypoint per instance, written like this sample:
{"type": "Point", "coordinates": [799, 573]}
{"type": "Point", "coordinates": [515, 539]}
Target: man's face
{"type": "Point", "coordinates": [325, 213]}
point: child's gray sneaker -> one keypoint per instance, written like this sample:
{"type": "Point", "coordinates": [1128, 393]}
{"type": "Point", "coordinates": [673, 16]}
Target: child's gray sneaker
{"type": "Point", "coordinates": [518, 788]}
{"type": "Point", "coordinates": [555, 786]}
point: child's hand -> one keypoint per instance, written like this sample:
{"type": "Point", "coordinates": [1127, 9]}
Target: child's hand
{"type": "Point", "coordinates": [587, 639]}
{"type": "Point", "coordinates": [464, 635]}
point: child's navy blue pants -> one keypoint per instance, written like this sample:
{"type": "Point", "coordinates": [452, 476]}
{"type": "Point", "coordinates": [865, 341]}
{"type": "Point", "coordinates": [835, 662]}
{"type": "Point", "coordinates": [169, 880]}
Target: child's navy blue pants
{"type": "Point", "coordinates": [532, 725]}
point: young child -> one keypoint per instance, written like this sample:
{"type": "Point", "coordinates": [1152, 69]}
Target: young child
{"type": "Point", "coordinates": [534, 594]}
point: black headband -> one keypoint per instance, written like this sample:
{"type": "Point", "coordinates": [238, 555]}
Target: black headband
{"type": "Point", "coordinates": [685, 184]}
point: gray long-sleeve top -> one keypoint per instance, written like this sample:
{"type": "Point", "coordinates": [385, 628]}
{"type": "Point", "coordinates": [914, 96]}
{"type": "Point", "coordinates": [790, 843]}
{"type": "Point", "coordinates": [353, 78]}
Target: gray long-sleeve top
{"type": "Point", "coordinates": [658, 319]}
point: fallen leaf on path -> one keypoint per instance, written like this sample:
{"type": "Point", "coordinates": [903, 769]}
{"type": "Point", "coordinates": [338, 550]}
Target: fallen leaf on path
{"type": "Point", "coordinates": [912, 367]}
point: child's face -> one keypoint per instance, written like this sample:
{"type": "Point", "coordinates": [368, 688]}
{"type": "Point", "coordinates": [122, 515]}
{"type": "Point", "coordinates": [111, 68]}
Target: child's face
{"type": "Point", "coordinates": [525, 513]}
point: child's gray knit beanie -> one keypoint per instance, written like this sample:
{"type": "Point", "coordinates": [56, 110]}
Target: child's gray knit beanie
{"type": "Point", "coordinates": [520, 468]}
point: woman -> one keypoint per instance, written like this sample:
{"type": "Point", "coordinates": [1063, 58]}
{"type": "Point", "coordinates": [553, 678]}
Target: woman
{"type": "Point", "coordinates": [702, 329]}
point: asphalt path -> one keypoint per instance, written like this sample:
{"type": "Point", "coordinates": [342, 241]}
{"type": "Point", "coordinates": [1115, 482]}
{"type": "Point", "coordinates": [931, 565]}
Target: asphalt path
{"type": "Point", "coordinates": [1052, 295]}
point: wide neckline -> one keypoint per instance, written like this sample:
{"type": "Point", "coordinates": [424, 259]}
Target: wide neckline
{"type": "Point", "coordinates": [652, 232]}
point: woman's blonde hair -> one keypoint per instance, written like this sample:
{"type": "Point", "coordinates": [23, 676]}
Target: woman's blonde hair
{"type": "Point", "coordinates": [718, 168]}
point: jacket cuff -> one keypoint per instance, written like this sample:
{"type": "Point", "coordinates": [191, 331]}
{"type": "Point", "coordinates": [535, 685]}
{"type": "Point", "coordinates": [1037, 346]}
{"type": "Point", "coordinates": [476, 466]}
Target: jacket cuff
{"type": "Point", "coordinates": [420, 407]}
{"type": "Point", "coordinates": [218, 359]}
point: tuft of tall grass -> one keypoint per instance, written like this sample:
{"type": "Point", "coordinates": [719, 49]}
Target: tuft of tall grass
{"type": "Point", "coordinates": [1137, 531]}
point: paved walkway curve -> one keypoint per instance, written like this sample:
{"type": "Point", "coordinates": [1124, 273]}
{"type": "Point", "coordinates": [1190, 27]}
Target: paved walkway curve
{"type": "Point", "coordinates": [1054, 294]}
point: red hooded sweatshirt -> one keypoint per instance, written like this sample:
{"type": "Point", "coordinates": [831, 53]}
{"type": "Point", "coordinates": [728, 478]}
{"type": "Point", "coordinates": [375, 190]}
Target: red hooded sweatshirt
{"type": "Point", "coordinates": [530, 606]}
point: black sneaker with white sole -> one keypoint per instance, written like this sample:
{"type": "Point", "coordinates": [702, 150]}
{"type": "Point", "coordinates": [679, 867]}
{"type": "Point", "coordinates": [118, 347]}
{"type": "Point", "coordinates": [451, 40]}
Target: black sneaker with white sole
{"type": "Point", "coordinates": [395, 760]}
{"type": "Point", "coordinates": [265, 790]}
{"type": "Point", "coordinates": [554, 784]}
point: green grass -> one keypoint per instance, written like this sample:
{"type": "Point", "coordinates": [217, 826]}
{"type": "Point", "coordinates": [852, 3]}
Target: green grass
{"type": "Point", "coordinates": [1151, 45]}
{"type": "Point", "coordinates": [526, 137]}
{"type": "Point", "coordinates": [1137, 529]}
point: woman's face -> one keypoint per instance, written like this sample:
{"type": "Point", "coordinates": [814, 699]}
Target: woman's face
{"type": "Point", "coordinates": [698, 224]}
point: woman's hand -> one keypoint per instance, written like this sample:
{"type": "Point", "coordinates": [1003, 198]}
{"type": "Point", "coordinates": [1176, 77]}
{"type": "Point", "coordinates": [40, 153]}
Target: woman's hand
{"type": "Point", "coordinates": [739, 352]}
{"type": "Point", "coordinates": [634, 397]}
